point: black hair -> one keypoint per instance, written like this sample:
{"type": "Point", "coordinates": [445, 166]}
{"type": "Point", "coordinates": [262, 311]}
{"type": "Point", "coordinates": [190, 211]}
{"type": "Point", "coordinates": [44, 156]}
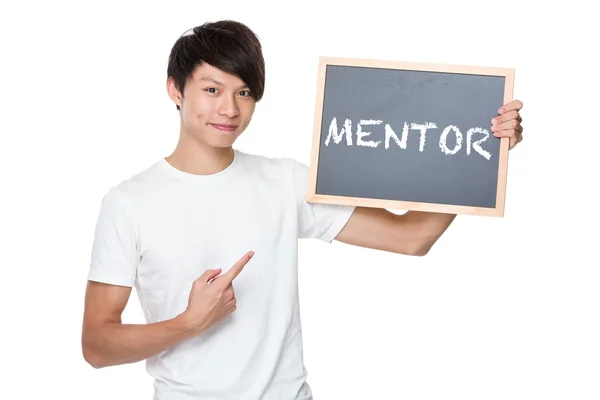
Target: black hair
{"type": "Point", "coordinates": [227, 45]}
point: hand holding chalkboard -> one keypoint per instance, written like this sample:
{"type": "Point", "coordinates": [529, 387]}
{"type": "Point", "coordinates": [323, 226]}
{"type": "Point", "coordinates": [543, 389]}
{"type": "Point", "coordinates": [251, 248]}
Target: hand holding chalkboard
{"type": "Point", "coordinates": [413, 136]}
{"type": "Point", "coordinates": [508, 123]}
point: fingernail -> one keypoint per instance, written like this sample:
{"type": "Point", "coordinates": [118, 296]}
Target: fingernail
{"type": "Point", "coordinates": [501, 110]}
{"type": "Point", "coordinates": [494, 121]}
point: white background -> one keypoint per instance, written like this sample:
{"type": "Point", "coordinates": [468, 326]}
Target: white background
{"type": "Point", "coordinates": [501, 308]}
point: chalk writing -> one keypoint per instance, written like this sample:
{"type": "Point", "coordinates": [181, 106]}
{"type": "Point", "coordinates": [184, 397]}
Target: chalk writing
{"type": "Point", "coordinates": [346, 131]}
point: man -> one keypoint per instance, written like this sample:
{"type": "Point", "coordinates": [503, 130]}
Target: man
{"type": "Point", "coordinates": [208, 236]}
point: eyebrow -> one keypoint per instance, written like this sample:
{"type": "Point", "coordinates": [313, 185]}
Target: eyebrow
{"type": "Point", "coordinates": [213, 80]}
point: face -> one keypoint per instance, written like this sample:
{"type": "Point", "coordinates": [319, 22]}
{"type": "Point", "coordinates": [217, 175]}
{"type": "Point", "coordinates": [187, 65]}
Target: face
{"type": "Point", "coordinates": [216, 106]}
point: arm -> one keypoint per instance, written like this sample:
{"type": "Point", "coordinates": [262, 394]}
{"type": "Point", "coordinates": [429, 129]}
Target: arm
{"type": "Point", "coordinates": [413, 233]}
{"type": "Point", "coordinates": [106, 341]}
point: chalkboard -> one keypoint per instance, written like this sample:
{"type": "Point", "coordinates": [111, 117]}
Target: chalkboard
{"type": "Point", "coordinates": [407, 135]}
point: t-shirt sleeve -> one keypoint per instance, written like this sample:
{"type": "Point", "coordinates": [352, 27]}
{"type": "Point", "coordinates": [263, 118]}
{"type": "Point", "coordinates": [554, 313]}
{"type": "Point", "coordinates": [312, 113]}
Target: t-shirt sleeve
{"type": "Point", "coordinates": [114, 256]}
{"type": "Point", "coordinates": [316, 220]}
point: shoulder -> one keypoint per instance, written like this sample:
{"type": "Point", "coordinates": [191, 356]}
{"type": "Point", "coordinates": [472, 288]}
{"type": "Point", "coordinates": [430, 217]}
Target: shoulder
{"type": "Point", "coordinates": [262, 161]}
{"type": "Point", "coordinates": [270, 162]}
{"type": "Point", "coordinates": [285, 174]}
{"type": "Point", "coordinates": [270, 166]}
{"type": "Point", "coordinates": [139, 185]}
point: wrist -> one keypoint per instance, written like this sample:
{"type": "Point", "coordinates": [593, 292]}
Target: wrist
{"type": "Point", "coordinates": [186, 325]}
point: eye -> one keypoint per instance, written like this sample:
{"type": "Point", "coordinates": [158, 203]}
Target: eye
{"type": "Point", "coordinates": [211, 90]}
{"type": "Point", "coordinates": [245, 93]}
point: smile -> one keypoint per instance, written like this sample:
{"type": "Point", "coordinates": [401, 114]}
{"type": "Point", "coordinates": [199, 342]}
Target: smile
{"type": "Point", "coordinates": [225, 127]}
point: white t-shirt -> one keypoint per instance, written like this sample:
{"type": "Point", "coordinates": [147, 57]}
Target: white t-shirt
{"type": "Point", "coordinates": [161, 229]}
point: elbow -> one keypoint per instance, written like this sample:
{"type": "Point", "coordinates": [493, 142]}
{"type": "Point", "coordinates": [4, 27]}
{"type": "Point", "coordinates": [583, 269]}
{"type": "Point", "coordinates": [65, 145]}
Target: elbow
{"type": "Point", "coordinates": [413, 251]}
{"type": "Point", "coordinates": [92, 359]}
{"type": "Point", "coordinates": [419, 249]}
{"type": "Point", "coordinates": [91, 356]}
{"type": "Point", "coordinates": [422, 247]}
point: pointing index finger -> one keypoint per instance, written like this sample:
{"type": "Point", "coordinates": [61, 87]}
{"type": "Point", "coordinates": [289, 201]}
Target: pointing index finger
{"type": "Point", "coordinates": [235, 270]}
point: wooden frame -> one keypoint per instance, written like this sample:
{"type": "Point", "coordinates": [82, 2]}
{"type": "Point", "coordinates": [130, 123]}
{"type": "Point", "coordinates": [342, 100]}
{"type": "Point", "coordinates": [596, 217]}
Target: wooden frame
{"type": "Point", "coordinates": [313, 197]}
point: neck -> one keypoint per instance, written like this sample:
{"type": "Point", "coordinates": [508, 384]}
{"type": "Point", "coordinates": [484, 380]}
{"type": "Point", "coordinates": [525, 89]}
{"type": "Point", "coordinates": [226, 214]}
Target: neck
{"type": "Point", "coordinates": [196, 158]}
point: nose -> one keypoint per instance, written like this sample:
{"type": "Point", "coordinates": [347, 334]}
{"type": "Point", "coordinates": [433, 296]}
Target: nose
{"type": "Point", "coordinates": [228, 107]}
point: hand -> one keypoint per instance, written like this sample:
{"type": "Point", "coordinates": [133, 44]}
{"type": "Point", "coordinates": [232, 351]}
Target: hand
{"type": "Point", "coordinates": [508, 123]}
{"type": "Point", "coordinates": [212, 297]}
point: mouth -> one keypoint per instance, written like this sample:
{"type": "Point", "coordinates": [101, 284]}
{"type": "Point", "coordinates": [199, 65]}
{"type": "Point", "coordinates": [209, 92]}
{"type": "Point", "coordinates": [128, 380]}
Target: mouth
{"type": "Point", "coordinates": [225, 127]}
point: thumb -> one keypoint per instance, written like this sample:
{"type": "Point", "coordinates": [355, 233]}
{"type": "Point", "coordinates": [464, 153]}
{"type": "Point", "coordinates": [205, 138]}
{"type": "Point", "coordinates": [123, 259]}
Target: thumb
{"type": "Point", "coordinates": [210, 274]}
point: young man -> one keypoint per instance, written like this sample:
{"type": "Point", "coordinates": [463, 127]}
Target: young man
{"type": "Point", "coordinates": [208, 236]}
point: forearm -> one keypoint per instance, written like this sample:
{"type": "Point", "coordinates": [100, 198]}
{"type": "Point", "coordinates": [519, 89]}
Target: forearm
{"type": "Point", "coordinates": [114, 343]}
{"type": "Point", "coordinates": [426, 228]}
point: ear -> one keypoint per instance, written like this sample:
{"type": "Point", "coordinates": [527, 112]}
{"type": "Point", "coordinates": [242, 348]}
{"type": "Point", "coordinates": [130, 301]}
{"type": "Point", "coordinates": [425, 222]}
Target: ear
{"type": "Point", "coordinates": [173, 92]}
